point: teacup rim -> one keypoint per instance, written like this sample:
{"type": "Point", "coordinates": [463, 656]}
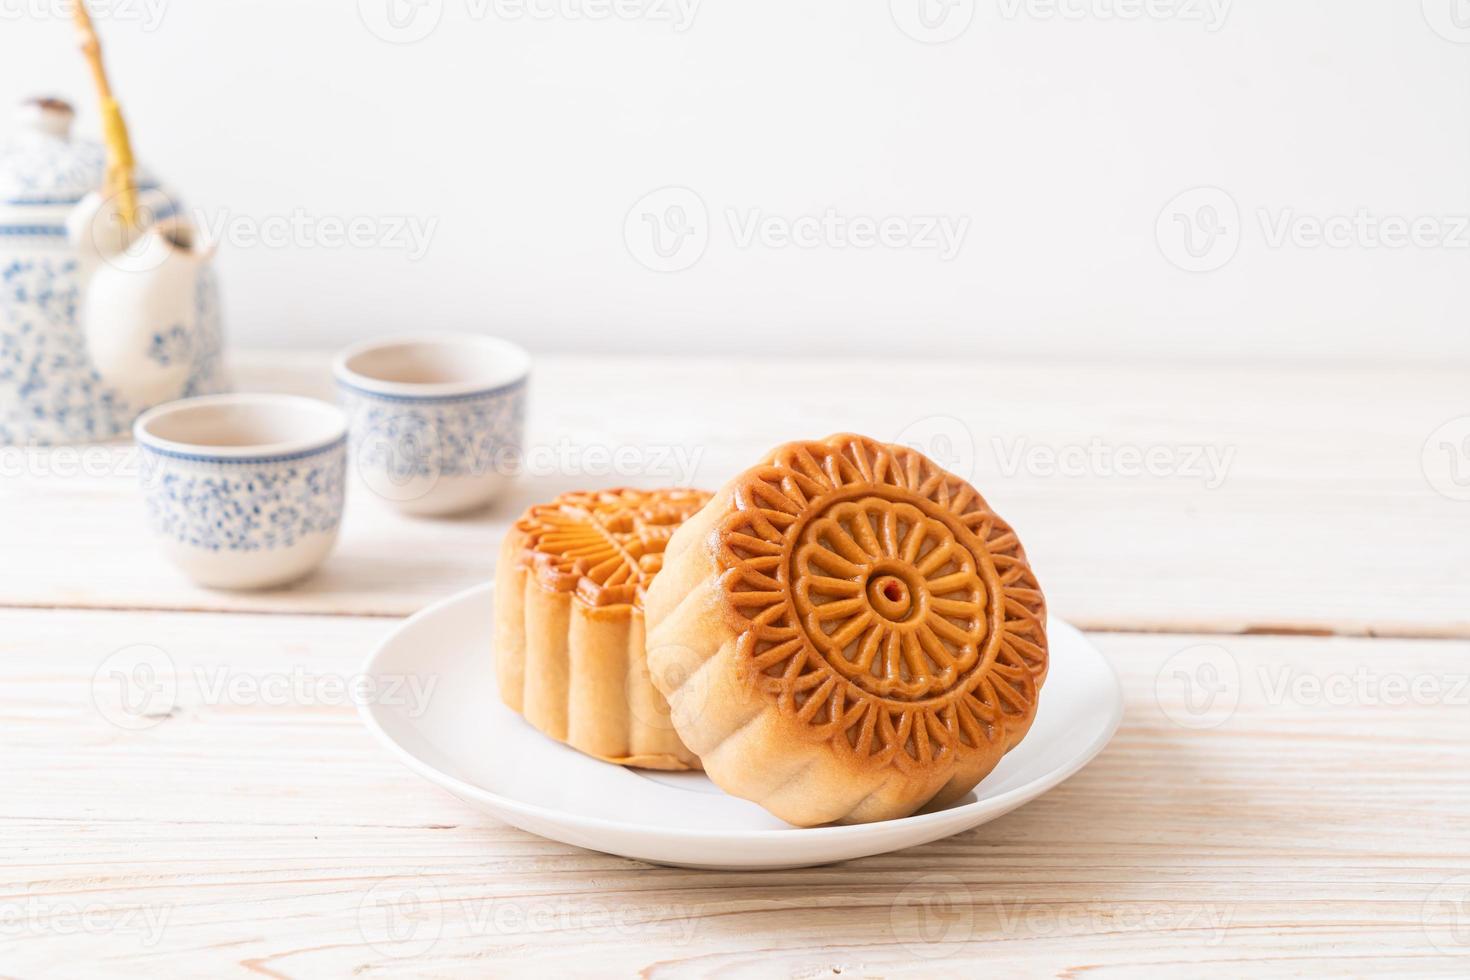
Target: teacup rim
{"type": "Point", "coordinates": [265, 451]}
{"type": "Point", "coordinates": [350, 379]}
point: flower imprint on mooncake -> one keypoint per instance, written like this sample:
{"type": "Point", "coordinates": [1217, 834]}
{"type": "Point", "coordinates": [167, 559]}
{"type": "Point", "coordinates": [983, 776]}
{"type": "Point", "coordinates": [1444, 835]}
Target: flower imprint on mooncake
{"type": "Point", "coordinates": [604, 545]}
{"type": "Point", "coordinates": [882, 603]}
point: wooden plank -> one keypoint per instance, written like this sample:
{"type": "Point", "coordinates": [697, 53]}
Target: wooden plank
{"type": "Point", "coordinates": [1318, 828]}
{"type": "Point", "coordinates": [1281, 498]}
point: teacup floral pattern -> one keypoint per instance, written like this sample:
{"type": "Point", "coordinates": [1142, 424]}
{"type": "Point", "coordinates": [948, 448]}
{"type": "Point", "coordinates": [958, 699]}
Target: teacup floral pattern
{"type": "Point", "coordinates": [407, 437]}
{"type": "Point", "coordinates": [221, 504]}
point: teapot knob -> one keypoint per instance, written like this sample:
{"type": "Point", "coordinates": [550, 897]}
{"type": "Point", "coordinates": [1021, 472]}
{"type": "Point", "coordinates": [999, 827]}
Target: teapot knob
{"type": "Point", "coordinates": [50, 116]}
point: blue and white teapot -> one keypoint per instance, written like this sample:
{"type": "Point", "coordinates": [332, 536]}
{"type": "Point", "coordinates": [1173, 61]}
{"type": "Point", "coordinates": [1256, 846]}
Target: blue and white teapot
{"type": "Point", "coordinates": [98, 320]}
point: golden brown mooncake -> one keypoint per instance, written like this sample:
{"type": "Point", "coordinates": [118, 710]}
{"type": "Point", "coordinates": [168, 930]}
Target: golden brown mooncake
{"type": "Point", "coordinates": [569, 631]}
{"type": "Point", "coordinates": [847, 633]}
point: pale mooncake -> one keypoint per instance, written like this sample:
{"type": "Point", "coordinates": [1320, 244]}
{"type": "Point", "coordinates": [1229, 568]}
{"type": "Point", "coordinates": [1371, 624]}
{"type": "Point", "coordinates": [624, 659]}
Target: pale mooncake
{"type": "Point", "coordinates": [569, 629]}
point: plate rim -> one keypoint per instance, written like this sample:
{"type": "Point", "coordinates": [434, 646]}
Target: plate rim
{"type": "Point", "coordinates": [918, 822]}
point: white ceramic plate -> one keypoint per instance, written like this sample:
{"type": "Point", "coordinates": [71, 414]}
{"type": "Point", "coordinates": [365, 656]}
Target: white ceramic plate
{"type": "Point", "coordinates": [463, 739]}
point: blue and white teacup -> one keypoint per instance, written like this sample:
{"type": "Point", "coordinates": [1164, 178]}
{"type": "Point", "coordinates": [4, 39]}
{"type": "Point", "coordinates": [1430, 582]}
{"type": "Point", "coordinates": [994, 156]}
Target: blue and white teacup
{"type": "Point", "coordinates": [436, 421]}
{"type": "Point", "coordinates": [244, 491]}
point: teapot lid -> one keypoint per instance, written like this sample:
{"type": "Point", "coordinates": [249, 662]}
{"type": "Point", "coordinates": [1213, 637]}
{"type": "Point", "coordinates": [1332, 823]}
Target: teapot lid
{"type": "Point", "coordinates": [42, 164]}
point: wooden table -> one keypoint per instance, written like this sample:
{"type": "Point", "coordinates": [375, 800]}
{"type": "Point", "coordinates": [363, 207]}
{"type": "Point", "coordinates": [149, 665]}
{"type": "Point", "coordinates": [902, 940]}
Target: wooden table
{"type": "Point", "coordinates": [1303, 526]}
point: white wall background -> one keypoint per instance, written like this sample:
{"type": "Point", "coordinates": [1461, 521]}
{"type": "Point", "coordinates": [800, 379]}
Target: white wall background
{"type": "Point", "coordinates": [1060, 129]}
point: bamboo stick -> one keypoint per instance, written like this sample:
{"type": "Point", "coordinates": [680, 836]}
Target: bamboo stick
{"type": "Point", "coordinates": [121, 182]}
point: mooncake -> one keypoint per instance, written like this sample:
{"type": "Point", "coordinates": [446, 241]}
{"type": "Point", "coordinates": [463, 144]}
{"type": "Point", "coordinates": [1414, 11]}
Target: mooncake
{"type": "Point", "coordinates": [569, 626]}
{"type": "Point", "coordinates": [846, 633]}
